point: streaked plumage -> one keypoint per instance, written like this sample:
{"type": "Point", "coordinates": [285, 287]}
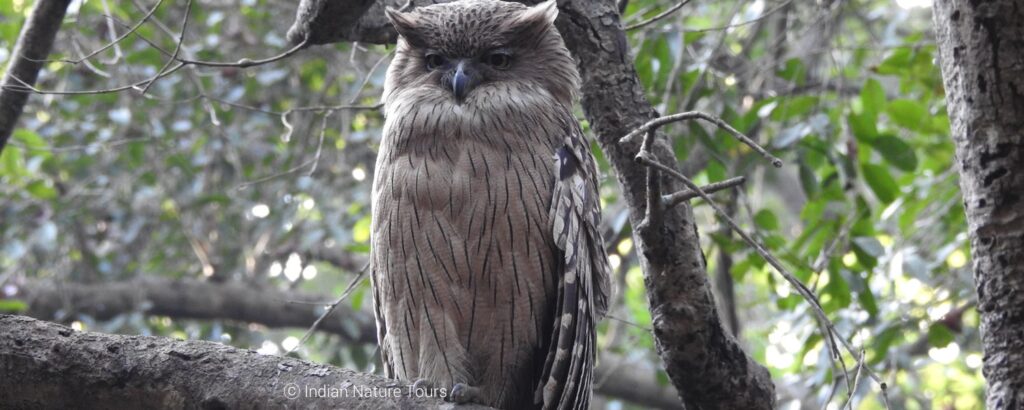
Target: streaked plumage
{"type": "Point", "coordinates": [488, 268]}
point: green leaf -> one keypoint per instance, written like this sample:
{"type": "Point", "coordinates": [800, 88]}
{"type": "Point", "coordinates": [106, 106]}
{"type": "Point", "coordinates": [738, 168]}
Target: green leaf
{"type": "Point", "coordinates": [12, 306]}
{"type": "Point", "coordinates": [896, 152]}
{"type": "Point", "coordinates": [881, 182]}
{"type": "Point", "coordinates": [357, 295]}
{"type": "Point", "coordinates": [794, 71]}
{"type": "Point", "coordinates": [882, 342]}
{"type": "Point", "coordinates": [868, 302]}
{"type": "Point", "coordinates": [218, 198]}
{"type": "Point", "coordinates": [358, 248]}
{"type": "Point", "coordinates": [12, 162]}
{"type": "Point", "coordinates": [361, 230]}
{"type": "Point", "coordinates": [33, 143]}
{"type": "Point", "coordinates": [909, 114]}
{"type": "Point", "coordinates": [739, 270]}
{"type": "Point", "coordinates": [42, 190]}
{"type": "Point", "coordinates": [794, 107]}
{"type": "Point", "coordinates": [808, 180]}
{"type": "Point", "coordinates": [897, 62]}
{"type": "Point", "coordinates": [766, 219]}
{"type": "Point", "coordinates": [939, 335]}
{"type": "Point", "coordinates": [872, 96]}
{"type": "Point", "coordinates": [863, 125]}
{"type": "Point", "coordinates": [789, 302]}
{"type": "Point", "coordinates": [839, 289]}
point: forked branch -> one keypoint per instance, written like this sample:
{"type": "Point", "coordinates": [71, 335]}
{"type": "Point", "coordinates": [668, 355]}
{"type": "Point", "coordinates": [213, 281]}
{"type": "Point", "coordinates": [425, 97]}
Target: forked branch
{"type": "Point", "coordinates": [646, 157]}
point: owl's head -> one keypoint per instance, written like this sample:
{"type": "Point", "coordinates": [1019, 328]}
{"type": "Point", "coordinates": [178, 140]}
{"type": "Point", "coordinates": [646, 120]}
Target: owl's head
{"type": "Point", "coordinates": [469, 51]}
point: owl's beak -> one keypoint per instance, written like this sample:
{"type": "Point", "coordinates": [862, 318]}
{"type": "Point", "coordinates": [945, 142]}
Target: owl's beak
{"type": "Point", "coordinates": [463, 80]}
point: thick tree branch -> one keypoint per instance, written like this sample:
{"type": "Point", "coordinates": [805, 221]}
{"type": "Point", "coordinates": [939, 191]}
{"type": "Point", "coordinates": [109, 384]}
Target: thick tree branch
{"type": "Point", "coordinates": [27, 59]}
{"type": "Point", "coordinates": [703, 360]}
{"type": "Point", "coordinates": [193, 299]}
{"type": "Point", "coordinates": [47, 365]}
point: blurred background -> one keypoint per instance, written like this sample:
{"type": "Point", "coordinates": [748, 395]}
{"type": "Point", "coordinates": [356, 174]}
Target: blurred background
{"type": "Point", "coordinates": [232, 204]}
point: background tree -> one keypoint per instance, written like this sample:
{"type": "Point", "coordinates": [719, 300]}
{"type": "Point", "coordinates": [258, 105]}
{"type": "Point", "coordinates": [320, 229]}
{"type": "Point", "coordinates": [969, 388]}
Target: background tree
{"type": "Point", "coordinates": [982, 50]}
{"type": "Point", "coordinates": [229, 178]}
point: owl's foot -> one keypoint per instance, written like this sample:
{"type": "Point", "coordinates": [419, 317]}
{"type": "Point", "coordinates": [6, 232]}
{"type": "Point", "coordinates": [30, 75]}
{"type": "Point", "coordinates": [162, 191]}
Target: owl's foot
{"type": "Point", "coordinates": [463, 393]}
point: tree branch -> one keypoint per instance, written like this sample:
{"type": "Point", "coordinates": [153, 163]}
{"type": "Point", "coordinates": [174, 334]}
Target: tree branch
{"type": "Point", "coordinates": [29, 53]}
{"type": "Point", "coordinates": [52, 366]}
{"type": "Point", "coordinates": [194, 299]}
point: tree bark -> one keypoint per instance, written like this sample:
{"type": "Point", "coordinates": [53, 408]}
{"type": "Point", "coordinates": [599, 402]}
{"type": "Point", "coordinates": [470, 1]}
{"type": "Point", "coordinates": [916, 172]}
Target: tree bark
{"type": "Point", "coordinates": [704, 362]}
{"type": "Point", "coordinates": [33, 46]}
{"type": "Point", "coordinates": [49, 366]}
{"type": "Point", "coordinates": [981, 48]}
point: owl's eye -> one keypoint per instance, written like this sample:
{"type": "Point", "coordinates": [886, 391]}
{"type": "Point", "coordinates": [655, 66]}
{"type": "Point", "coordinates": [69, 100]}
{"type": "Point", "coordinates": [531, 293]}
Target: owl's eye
{"type": "Point", "coordinates": [499, 59]}
{"type": "Point", "coordinates": [434, 61]}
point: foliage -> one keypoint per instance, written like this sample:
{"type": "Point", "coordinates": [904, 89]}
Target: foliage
{"type": "Point", "coordinates": [205, 175]}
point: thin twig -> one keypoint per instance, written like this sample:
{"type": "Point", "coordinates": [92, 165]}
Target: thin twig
{"type": "Point", "coordinates": [177, 46]}
{"type": "Point", "coordinates": [366, 79]}
{"type": "Point", "coordinates": [331, 307]}
{"type": "Point", "coordinates": [742, 23]}
{"type": "Point", "coordinates": [660, 16]}
{"type": "Point", "coordinates": [325, 108]}
{"type": "Point", "coordinates": [245, 185]}
{"type": "Point", "coordinates": [97, 145]}
{"type": "Point", "coordinates": [110, 30]}
{"type": "Point", "coordinates": [320, 144]}
{"type": "Point", "coordinates": [245, 62]}
{"type": "Point", "coordinates": [133, 29]}
{"type": "Point", "coordinates": [242, 63]}
{"type": "Point", "coordinates": [831, 394]}
{"type": "Point", "coordinates": [856, 382]}
{"type": "Point", "coordinates": [25, 87]}
{"type": "Point", "coordinates": [288, 126]}
{"type": "Point", "coordinates": [88, 64]}
{"type": "Point", "coordinates": [654, 201]}
{"type": "Point", "coordinates": [677, 198]}
{"type": "Point", "coordinates": [697, 115]}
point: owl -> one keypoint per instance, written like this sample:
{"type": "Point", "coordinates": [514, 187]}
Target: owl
{"type": "Point", "coordinates": [488, 269]}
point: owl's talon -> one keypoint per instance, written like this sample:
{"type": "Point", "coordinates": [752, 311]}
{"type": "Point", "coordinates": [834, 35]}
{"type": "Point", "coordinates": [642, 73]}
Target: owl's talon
{"type": "Point", "coordinates": [463, 393]}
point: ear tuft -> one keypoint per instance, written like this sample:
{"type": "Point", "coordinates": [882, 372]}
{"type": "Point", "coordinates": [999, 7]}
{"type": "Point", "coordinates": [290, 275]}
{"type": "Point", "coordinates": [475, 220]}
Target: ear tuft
{"type": "Point", "coordinates": [534, 21]}
{"type": "Point", "coordinates": [546, 11]}
{"type": "Point", "coordinates": [405, 24]}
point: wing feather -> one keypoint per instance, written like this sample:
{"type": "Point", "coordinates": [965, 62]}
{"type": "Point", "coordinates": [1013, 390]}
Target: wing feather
{"type": "Point", "coordinates": [583, 283]}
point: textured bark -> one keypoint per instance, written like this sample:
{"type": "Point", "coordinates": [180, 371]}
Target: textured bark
{"type": "Point", "coordinates": [981, 47]}
{"type": "Point", "coordinates": [193, 299]}
{"type": "Point", "coordinates": [33, 46]}
{"type": "Point", "coordinates": [49, 366]}
{"type": "Point", "coordinates": [704, 361]}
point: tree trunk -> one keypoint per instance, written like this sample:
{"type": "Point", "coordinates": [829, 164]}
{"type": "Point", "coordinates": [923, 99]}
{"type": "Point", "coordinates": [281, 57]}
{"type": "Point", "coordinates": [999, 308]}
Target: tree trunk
{"type": "Point", "coordinates": [981, 48]}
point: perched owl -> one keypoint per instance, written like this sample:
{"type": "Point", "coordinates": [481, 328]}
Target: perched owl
{"type": "Point", "coordinates": [489, 272]}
